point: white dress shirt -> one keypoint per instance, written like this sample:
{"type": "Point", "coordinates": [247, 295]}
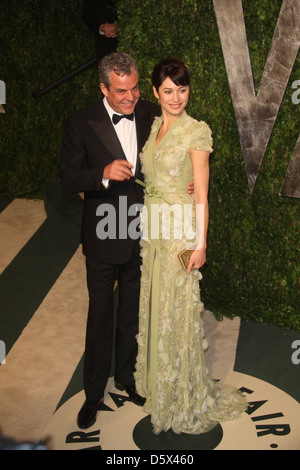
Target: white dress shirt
{"type": "Point", "coordinates": [126, 132]}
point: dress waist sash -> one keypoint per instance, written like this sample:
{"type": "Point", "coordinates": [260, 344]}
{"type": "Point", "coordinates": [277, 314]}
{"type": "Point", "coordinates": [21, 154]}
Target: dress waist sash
{"type": "Point", "coordinates": [151, 190]}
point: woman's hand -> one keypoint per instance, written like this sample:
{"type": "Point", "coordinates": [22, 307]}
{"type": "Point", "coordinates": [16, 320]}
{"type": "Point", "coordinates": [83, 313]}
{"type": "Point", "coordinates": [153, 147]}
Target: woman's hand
{"type": "Point", "coordinates": [190, 187]}
{"type": "Point", "coordinates": [197, 260]}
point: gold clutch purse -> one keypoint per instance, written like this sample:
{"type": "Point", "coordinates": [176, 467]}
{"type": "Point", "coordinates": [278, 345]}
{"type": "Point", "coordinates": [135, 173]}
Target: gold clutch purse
{"type": "Point", "coordinates": [185, 255]}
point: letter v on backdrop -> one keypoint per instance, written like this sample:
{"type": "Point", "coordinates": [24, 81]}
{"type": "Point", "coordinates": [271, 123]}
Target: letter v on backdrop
{"type": "Point", "coordinates": [256, 114]}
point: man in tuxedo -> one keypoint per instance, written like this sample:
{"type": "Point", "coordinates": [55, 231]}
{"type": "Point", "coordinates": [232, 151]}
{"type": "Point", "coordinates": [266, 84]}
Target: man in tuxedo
{"type": "Point", "coordinates": [99, 157]}
{"type": "Point", "coordinates": [101, 18]}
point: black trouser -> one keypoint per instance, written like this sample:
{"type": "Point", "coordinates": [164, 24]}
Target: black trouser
{"type": "Point", "coordinates": [100, 324]}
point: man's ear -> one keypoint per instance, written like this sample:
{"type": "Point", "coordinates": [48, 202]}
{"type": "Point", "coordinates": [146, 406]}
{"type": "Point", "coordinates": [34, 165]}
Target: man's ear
{"type": "Point", "coordinates": [104, 89]}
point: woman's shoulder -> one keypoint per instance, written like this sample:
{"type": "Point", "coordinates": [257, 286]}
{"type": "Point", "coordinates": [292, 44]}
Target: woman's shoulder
{"type": "Point", "coordinates": [200, 133]}
{"type": "Point", "coordinates": [198, 125]}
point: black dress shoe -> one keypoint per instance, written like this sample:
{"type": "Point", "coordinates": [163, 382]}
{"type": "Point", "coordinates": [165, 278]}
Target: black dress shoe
{"type": "Point", "coordinates": [87, 415]}
{"type": "Point", "coordinates": [132, 393]}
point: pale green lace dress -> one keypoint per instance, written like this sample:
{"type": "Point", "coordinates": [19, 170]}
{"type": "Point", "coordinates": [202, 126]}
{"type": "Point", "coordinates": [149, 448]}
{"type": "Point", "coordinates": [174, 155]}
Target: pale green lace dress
{"type": "Point", "coordinates": [171, 371]}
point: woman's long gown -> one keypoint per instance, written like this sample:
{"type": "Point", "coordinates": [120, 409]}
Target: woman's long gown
{"type": "Point", "coordinates": [170, 370]}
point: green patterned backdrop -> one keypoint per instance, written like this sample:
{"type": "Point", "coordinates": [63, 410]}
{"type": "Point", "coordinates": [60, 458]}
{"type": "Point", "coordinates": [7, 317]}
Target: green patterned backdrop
{"type": "Point", "coordinates": [253, 257]}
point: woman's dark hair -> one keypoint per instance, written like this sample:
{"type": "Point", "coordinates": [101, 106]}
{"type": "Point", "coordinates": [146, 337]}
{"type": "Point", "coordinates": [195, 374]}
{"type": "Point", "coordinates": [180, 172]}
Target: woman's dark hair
{"type": "Point", "coordinates": [172, 68]}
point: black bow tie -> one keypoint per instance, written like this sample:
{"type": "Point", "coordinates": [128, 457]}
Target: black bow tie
{"type": "Point", "coordinates": [117, 117]}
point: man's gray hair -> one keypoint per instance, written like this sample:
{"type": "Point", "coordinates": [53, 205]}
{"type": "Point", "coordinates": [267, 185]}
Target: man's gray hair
{"type": "Point", "coordinates": [119, 62]}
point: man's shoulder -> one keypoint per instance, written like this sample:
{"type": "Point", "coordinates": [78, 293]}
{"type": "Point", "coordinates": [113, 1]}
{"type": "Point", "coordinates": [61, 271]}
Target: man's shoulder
{"type": "Point", "coordinates": [144, 106]}
{"type": "Point", "coordinates": [87, 112]}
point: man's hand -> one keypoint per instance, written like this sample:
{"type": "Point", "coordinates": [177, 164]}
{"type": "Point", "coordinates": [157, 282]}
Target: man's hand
{"type": "Point", "coordinates": [110, 30]}
{"type": "Point", "coordinates": [118, 170]}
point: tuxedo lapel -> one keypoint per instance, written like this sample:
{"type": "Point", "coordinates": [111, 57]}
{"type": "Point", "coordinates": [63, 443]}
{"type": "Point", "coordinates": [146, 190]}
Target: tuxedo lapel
{"type": "Point", "coordinates": [143, 126]}
{"type": "Point", "coordinates": [104, 129]}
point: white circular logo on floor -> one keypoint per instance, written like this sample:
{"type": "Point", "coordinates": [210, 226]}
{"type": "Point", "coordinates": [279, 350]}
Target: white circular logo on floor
{"type": "Point", "coordinates": [272, 421]}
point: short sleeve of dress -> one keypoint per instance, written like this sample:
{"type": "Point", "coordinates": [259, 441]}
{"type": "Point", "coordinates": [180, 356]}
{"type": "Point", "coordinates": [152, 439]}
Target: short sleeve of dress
{"type": "Point", "coordinates": [201, 137]}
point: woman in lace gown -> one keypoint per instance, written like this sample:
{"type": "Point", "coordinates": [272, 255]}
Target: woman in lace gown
{"type": "Point", "coordinates": [170, 371]}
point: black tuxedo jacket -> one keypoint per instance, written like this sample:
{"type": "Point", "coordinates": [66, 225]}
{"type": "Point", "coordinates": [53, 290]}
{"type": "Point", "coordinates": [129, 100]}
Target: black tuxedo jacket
{"type": "Point", "coordinates": [89, 144]}
{"type": "Point", "coordinates": [95, 13]}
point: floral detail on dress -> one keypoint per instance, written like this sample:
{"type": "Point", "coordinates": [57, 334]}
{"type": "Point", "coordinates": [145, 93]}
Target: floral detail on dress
{"type": "Point", "coordinates": [171, 372]}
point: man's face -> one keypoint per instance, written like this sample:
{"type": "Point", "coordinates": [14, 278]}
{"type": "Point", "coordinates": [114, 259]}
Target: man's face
{"type": "Point", "coordinates": [123, 93]}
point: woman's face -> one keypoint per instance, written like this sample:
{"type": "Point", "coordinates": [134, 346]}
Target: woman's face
{"type": "Point", "coordinates": [173, 98]}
